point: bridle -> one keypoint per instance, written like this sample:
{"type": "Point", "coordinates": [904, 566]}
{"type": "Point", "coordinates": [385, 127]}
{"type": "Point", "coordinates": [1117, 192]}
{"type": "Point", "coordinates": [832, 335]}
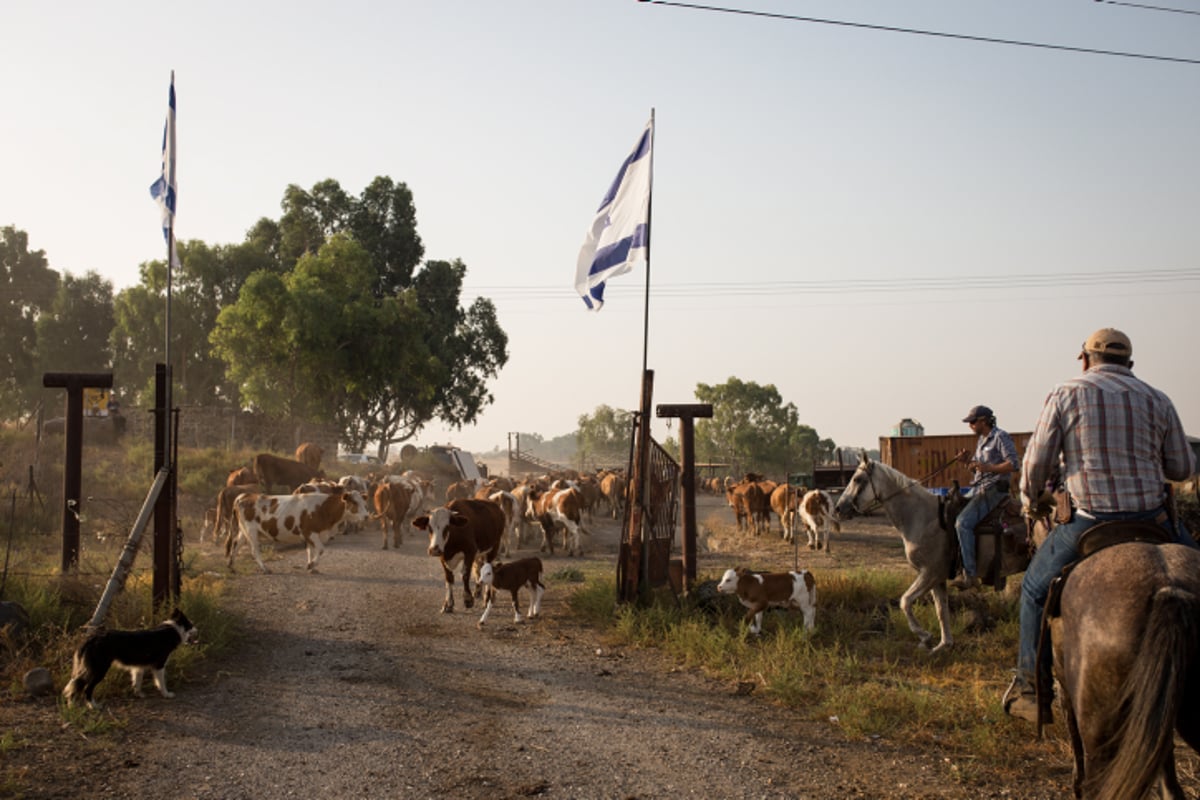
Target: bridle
{"type": "Point", "coordinates": [877, 500]}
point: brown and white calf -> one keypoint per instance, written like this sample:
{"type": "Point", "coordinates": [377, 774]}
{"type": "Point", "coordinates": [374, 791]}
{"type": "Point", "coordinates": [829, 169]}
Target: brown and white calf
{"type": "Point", "coordinates": [458, 532]}
{"type": "Point", "coordinates": [759, 591]}
{"type": "Point", "coordinates": [512, 577]}
{"type": "Point", "coordinates": [290, 517]}
{"type": "Point", "coordinates": [555, 507]}
{"type": "Point", "coordinates": [816, 512]}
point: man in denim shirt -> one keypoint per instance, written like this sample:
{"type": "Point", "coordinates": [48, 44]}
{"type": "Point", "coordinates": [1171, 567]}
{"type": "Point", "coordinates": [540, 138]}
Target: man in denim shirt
{"type": "Point", "coordinates": [1118, 441]}
{"type": "Point", "coordinates": [995, 459]}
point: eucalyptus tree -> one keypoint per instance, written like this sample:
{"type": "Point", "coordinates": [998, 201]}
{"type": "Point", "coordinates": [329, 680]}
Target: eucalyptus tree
{"type": "Point", "coordinates": [317, 343]}
{"type": "Point", "coordinates": [73, 331]}
{"type": "Point", "coordinates": [604, 435]}
{"type": "Point", "coordinates": [752, 427]}
{"type": "Point", "coordinates": [27, 287]}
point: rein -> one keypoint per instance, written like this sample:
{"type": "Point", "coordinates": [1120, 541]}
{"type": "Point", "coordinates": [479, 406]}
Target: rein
{"type": "Point", "coordinates": [881, 501]}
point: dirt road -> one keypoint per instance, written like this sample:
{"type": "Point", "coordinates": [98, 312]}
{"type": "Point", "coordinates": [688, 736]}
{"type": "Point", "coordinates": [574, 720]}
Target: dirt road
{"type": "Point", "coordinates": [349, 683]}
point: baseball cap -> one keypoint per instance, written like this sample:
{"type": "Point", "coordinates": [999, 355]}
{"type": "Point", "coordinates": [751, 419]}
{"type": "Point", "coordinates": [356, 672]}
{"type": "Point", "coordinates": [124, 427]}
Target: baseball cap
{"type": "Point", "coordinates": [976, 412]}
{"type": "Point", "coordinates": [1108, 340]}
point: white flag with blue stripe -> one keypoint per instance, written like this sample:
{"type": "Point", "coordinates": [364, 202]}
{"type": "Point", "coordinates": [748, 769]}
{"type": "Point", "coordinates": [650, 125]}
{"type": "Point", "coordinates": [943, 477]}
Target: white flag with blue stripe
{"type": "Point", "coordinates": [619, 236]}
{"type": "Point", "coordinates": [163, 190]}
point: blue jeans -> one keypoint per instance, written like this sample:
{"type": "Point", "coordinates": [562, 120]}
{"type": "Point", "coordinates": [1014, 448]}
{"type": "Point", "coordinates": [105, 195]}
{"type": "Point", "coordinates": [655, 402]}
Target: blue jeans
{"type": "Point", "coordinates": [1059, 550]}
{"type": "Point", "coordinates": [978, 507]}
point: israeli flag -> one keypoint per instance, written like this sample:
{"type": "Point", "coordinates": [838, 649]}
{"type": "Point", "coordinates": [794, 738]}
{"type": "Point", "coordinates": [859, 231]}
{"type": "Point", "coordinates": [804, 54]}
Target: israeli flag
{"type": "Point", "coordinates": [163, 190]}
{"type": "Point", "coordinates": [619, 236]}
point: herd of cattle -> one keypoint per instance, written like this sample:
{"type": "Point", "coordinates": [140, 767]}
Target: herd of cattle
{"type": "Point", "coordinates": [480, 521]}
{"type": "Point", "coordinates": [754, 498]}
{"type": "Point", "coordinates": [484, 520]}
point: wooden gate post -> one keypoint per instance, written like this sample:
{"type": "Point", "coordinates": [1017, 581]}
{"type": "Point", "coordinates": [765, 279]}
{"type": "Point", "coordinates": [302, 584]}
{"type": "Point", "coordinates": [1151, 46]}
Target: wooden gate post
{"type": "Point", "coordinates": [631, 572]}
{"type": "Point", "coordinates": [74, 383]}
{"type": "Point", "coordinates": [687, 415]}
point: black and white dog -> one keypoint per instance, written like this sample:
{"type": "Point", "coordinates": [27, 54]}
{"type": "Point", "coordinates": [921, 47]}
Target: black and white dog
{"type": "Point", "coordinates": [136, 651]}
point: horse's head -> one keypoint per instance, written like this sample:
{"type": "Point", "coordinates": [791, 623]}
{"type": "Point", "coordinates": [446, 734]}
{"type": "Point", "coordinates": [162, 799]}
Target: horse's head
{"type": "Point", "coordinates": [859, 492]}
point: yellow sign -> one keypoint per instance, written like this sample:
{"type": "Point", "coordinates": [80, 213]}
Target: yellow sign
{"type": "Point", "coordinates": [95, 402]}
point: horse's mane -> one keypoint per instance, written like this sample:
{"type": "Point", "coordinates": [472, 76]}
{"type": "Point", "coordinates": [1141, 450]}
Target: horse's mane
{"type": "Point", "coordinates": [897, 474]}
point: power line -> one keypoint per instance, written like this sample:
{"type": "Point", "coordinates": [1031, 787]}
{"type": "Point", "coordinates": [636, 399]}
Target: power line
{"type": "Point", "coordinates": [861, 286]}
{"type": "Point", "coordinates": [919, 32]}
{"type": "Point", "coordinates": [1151, 8]}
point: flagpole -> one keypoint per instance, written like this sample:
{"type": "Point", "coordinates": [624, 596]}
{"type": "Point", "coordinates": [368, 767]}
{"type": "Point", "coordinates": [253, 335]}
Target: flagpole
{"type": "Point", "coordinates": [167, 344]}
{"type": "Point", "coordinates": [649, 214]}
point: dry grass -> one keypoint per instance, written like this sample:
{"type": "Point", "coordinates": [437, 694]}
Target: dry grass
{"type": "Point", "coordinates": [861, 669]}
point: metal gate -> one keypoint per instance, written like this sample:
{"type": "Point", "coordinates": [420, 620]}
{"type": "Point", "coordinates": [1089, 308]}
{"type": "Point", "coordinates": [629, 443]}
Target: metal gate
{"type": "Point", "coordinates": [662, 514]}
{"type": "Point", "coordinates": [648, 535]}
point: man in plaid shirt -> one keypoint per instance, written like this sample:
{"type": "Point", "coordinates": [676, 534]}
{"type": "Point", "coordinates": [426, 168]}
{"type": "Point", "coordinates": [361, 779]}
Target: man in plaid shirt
{"type": "Point", "coordinates": [1116, 441]}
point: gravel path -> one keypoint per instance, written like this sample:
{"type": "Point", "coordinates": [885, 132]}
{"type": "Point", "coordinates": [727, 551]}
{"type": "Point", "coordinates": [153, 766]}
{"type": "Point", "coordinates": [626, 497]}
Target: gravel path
{"type": "Point", "coordinates": [349, 683]}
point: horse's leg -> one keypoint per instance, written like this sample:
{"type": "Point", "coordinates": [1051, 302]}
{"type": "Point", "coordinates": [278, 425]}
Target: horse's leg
{"type": "Point", "coordinates": [1076, 743]}
{"type": "Point", "coordinates": [941, 602]}
{"type": "Point", "coordinates": [918, 588]}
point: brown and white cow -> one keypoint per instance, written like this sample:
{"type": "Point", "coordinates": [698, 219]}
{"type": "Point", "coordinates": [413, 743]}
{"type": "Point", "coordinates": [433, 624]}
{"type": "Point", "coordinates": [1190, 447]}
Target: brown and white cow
{"type": "Point", "coordinates": [816, 511]}
{"type": "Point", "coordinates": [559, 507]}
{"type": "Point", "coordinates": [290, 518]}
{"type": "Point", "coordinates": [395, 501]}
{"type": "Point", "coordinates": [271, 471]}
{"type": "Point", "coordinates": [759, 591]}
{"type": "Point", "coordinates": [527, 520]}
{"type": "Point", "coordinates": [512, 518]}
{"type": "Point", "coordinates": [512, 577]}
{"type": "Point", "coordinates": [458, 532]}
{"type": "Point", "coordinates": [309, 455]}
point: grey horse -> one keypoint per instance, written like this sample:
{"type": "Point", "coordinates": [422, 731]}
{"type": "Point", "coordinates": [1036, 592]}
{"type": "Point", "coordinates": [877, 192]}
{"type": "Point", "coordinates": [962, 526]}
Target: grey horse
{"type": "Point", "coordinates": [913, 511]}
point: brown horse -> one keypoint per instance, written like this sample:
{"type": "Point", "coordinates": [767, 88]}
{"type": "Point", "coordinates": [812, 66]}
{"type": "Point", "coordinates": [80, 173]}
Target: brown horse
{"type": "Point", "coordinates": [1127, 656]}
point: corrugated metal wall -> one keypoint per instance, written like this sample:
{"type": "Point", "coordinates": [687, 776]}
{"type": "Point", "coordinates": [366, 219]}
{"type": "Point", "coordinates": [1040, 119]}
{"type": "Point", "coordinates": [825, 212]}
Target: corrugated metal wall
{"type": "Point", "coordinates": [919, 457]}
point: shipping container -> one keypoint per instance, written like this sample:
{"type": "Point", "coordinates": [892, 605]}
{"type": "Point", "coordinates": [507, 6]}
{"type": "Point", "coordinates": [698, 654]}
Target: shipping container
{"type": "Point", "coordinates": [920, 457]}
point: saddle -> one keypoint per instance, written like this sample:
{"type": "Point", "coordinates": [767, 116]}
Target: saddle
{"type": "Point", "coordinates": [1002, 540]}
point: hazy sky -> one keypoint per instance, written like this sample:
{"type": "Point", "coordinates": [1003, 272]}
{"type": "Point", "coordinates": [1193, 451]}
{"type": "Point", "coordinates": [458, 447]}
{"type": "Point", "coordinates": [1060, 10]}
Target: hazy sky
{"type": "Point", "coordinates": [882, 225]}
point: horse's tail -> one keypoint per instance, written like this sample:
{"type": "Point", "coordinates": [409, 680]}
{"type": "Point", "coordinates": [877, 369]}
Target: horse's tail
{"type": "Point", "coordinates": [1142, 741]}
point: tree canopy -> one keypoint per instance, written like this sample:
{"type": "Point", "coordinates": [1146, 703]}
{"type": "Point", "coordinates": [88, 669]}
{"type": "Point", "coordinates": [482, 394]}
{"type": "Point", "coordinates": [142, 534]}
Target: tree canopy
{"type": "Point", "coordinates": [753, 428]}
{"type": "Point", "coordinates": [27, 289]}
{"type": "Point", "coordinates": [351, 328]}
{"type": "Point", "coordinates": [325, 315]}
{"type": "Point", "coordinates": [604, 435]}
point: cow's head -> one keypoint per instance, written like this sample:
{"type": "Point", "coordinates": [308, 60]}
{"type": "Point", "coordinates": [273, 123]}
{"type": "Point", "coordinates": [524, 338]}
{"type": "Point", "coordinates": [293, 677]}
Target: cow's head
{"type": "Point", "coordinates": [437, 524]}
{"type": "Point", "coordinates": [487, 574]}
{"type": "Point", "coordinates": [729, 582]}
{"type": "Point", "coordinates": [357, 509]}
